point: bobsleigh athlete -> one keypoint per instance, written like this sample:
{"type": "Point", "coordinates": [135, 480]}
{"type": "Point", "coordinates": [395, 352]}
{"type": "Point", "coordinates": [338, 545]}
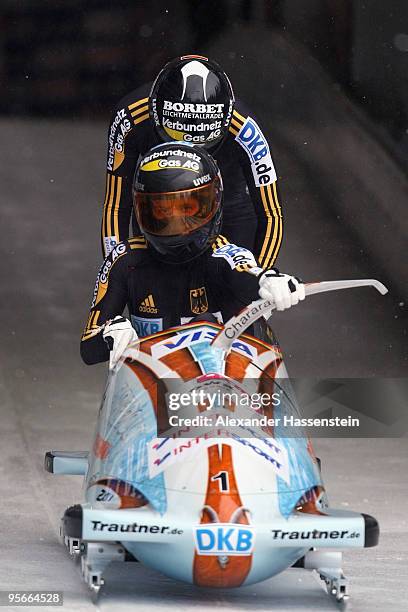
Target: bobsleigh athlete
{"type": "Point", "coordinates": [192, 101]}
{"type": "Point", "coordinates": [181, 267]}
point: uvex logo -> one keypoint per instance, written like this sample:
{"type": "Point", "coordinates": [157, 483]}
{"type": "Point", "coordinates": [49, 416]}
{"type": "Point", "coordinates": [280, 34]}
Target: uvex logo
{"type": "Point", "coordinates": [201, 180]}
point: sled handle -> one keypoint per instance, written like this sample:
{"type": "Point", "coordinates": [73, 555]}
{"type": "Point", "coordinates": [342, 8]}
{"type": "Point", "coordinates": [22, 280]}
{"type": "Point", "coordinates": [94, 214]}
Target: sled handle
{"type": "Point", "coordinates": [322, 287]}
{"type": "Point", "coordinates": [235, 326]}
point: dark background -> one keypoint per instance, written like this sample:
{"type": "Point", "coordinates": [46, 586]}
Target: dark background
{"type": "Point", "coordinates": [73, 58]}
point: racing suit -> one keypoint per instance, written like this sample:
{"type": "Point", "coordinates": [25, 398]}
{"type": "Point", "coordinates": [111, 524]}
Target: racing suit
{"type": "Point", "coordinates": [160, 295]}
{"type": "Point", "coordinates": [252, 214]}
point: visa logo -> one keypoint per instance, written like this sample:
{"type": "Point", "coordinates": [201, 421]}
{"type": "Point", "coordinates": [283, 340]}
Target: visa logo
{"type": "Point", "coordinates": [190, 338]}
{"type": "Point", "coordinates": [180, 341]}
{"type": "Point", "coordinates": [224, 539]}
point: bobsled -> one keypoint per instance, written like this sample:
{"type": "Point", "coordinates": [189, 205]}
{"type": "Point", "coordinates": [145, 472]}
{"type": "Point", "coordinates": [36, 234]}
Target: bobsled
{"type": "Point", "coordinates": [192, 474]}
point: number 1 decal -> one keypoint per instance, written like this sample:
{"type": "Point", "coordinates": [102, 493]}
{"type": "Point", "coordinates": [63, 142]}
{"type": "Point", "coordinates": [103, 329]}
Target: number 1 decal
{"type": "Point", "coordinates": [223, 481]}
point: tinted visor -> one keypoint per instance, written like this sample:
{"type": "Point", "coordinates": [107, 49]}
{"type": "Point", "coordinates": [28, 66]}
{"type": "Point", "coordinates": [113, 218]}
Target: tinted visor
{"type": "Point", "coordinates": [177, 213]}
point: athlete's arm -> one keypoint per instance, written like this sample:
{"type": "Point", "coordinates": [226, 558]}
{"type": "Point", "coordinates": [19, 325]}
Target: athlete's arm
{"type": "Point", "coordinates": [260, 175]}
{"type": "Point", "coordinates": [245, 281]}
{"type": "Point", "coordinates": [124, 147]}
{"type": "Point", "coordinates": [237, 278]}
{"type": "Point", "coordinates": [109, 300]}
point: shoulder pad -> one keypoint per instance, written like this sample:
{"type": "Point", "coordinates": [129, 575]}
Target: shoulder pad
{"type": "Point", "coordinates": [219, 242]}
{"type": "Point", "coordinates": [139, 242]}
{"type": "Point", "coordinates": [239, 258]}
{"type": "Point", "coordinates": [129, 113]}
{"type": "Point", "coordinates": [139, 110]}
{"type": "Point", "coordinates": [116, 253]}
{"type": "Point", "coordinates": [120, 126]}
{"type": "Point", "coordinates": [102, 279]}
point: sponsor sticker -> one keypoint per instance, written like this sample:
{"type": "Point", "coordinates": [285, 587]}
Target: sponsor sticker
{"type": "Point", "coordinates": [146, 327]}
{"type": "Point", "coordinates": [119, 128]}
{"type": "Point", "coordinates": [195, 109]}
{"type": "Point", "coordinates": [148, 305]}
{"type": "Point", "coordinates": [184, 340]}
{"type": "Point", "coordinates": [316, 534]}
{"type": "Point", "coordinates": [186, 132]}
{"type": "Point", "coordinates": [166, 164]}
{"type": "Point", "coordinates": [201, 180]}
{"type": "Point", "coordinates": [109, 243]}
{"type": "Point", "coordinates": [134, 528]}
{"type": "Point", "coordinates": [191, 127]}
{"type": "Point", "coordinates": [101, 284]}
{"type": "Point", "coordinates": [237, 325]}
{"type": "Point", "coordinates": [171, 153]}
{"type": "Point", "coordinates": [256, 146]}
{"type": "Point", "coordinates": [103, 496]}
{"type": "Point", "coordinates": [164, 452]}
{"type": "Point", "coordinates": [237, 256]}
{"type": "Point", "coordinates": [329, 535]}
{"type": "Point", "coordinates": [224, 539]}
{"type": "Point", "coordinates": [268, 450]}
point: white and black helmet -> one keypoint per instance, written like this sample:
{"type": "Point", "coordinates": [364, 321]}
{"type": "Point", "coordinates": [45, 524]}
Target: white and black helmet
{"type": "Point", "coordinates": [192, 101]}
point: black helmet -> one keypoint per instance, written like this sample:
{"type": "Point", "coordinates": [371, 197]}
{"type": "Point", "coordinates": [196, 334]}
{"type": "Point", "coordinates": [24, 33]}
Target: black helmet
{"type": "Point", "coordinates": [177, 196]}
{"type": "Point", "coordinates": [192, 101]}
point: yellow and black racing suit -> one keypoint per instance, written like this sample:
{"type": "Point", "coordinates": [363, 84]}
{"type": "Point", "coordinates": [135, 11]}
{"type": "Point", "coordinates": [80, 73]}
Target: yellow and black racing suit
{"type": "Point", "coordinates": [160, 295]}
{"type": "Point", "coordinates": [252, 214]}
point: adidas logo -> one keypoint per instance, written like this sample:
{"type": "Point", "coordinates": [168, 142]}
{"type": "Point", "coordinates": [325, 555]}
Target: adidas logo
{"type": "Point", "coordinates": [148, 305]}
